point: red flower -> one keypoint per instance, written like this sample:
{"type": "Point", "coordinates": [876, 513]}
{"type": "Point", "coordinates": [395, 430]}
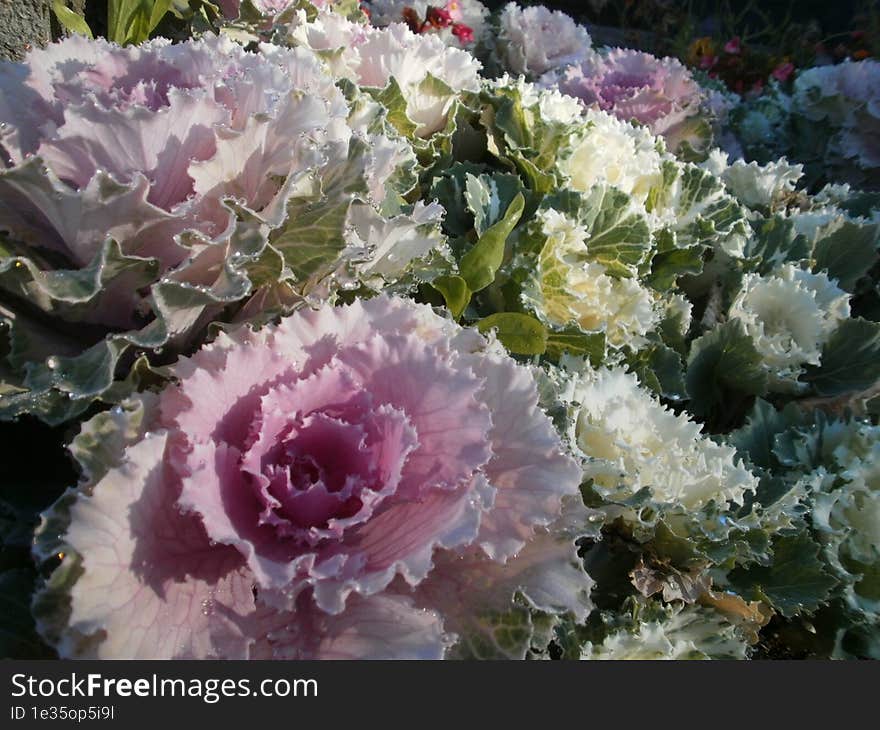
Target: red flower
{"type": "Point", "coordinates": [707, 62]}
{"type": "Point", "coordinates": [438, 17]}
{"type": "Point", "coordinates": [733, 46]}
{"type": "Point", "coordinates": [463, 32]}
{"type": "Point", "coordinates": [783, 71]}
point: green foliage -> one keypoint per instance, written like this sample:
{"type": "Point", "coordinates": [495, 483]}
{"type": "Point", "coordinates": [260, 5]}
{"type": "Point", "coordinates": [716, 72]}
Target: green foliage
{"type": "Point", "coordinates": [455, 292]}
{"type": "Point", "coordinates": [71, 21]}
{"type": "Point", "coordinates": [796, 580]}
{"type": "Point", "coordinates": [850, 359]}
{"type": "Point", "coordinates": [720, 362]}
{"type": "Point", "coordinates": [479, 265]}
{"type": "Point", "coordinates": [519, 333]}
{"type": "Point", "coordinates": [130, 22]}
{"type": "Point", "coordinates": [848, 253]}
{"type": "Point", "coordinates": [660, 370]}
{"type": "Point", "coordinates": [574, 342]}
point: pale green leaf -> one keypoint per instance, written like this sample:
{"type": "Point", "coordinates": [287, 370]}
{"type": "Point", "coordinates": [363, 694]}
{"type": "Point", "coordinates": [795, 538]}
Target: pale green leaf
{"type": "Point", "coordinates": [519, 333]}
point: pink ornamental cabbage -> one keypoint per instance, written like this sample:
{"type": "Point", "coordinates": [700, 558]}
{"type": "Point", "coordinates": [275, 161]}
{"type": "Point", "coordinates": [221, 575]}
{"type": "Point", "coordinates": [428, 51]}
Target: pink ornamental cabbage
{"type": "Point", "coordinates": [357, 482]}
{"type": "Point", "coordinates": [659, 93]}
{"type": "Point", "coordinates": [141, 143]}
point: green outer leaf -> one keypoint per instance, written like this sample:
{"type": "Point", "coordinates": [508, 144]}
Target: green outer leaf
{"type": "Point", "coordinates": [313, 234]}
{"type": "Point", "coordinates": [850, 359]}
{"type": "Point", "coordinates": [479, 265]}
{"type": "Point", "coordinates": [619, 235]}
{"type": "Point", "coordinates": [757, 438]}
{"type": "Point", "coordinates": [455, 291]}
{"type": "Point", "coordinates": [391, 97]}
{"type": "Point", "coordinates": [667, 266]}
{"type": "Point", "coordinates": [795, 581]}
{"type": "Point", "coordinates": [488, 196]}
{"type": "Point", "coordinates": [496, 635]}
{"type": "Point", "coordinates": [774, 242]}
{"type": "Point", "coordinates": [848, 253]}
{"type": "Point", "coordinates": [578, 344]}
{"type": "Point", "coordinates": [132, 21]}
{"type": "Point", "coordinates": [519, 333]}
{"type": "Point", "coordinates": [704, 212]}
{"type": "Point", "coordinates": [724, 358]}
{"type": "Point", "coordinates": [660, 369]}
{"type": "Point", "coordinates": [73, 22]}
{"type": "Point", "coordinates": [448, 187]}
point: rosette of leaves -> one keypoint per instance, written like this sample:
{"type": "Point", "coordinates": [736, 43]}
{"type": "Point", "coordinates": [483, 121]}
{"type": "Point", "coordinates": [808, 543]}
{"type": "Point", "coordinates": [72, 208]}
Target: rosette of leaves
{"type": "Point", "coordinates": [576, 270]}
{"type": "Point", "coordinates": [801, 292]}
{"type": "Point", "coordinates": [651, 630]}
{"type": "Point", "coordinates": [681, 511]}
{"type": "Point", "coordinates": [173, 186]}
{"type": "Point", "coordinates": [533, 40]}
{"type": "Point", "coordinates": [421, 82]}
{"type": "Point", "coordinates": [579, 268]}
{"type": "Point", "coordinates": [822, 579]}
{"type": "Point", "coordinates": [762, 125]}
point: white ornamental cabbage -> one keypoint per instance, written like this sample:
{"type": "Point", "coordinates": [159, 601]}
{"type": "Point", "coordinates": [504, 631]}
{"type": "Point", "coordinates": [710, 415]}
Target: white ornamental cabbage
{"type": "Point", "coordinates": [789, 315]}
{"type": "Point", "coordinates": [631, 441]}
{"type": "Point", "coordinates": [429, 74]}
{"type": "Point", "coordinates": [535, 40]}
{"type": "Point", "coordinates": [846, 511]}
{"type": "Point", "coordinates": [569, 289]}
{"type": "Point", "coordinates": [690, 632]}
{"type": "Point", "coordinates": [762, 186]}
{"type": "Point", "coordinates": [624, 155]}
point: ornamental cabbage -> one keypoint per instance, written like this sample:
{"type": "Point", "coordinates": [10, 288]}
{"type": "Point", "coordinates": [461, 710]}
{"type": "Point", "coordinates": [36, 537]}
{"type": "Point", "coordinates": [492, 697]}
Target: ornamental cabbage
{"type": "Point", "coordinates": [630, 441]}
{"type": "Point", "coordinates": [635, 86]}
{"type": "Point", "coordinates": [789, 315]}
{"type": "Point", "coordinates": [568, 288]}
{"type": "Point", "coordinates": [292, 494]}
{"type": "Point", "coordinates": [148, 188]}
{"type": "Point", "coordinates": [617, 152]}
{"type": "Point", "coordinates": [421, 69]}
{"type": "Point", "coordinates": [535, 40]}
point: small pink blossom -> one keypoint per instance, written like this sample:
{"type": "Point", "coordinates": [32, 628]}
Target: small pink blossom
{"type": "Point", "coordinates": [783, 71]}
{"type": "Point", "coordinates": [453, 7]}
{"type": "Point", "coordinates": [733, 46]}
